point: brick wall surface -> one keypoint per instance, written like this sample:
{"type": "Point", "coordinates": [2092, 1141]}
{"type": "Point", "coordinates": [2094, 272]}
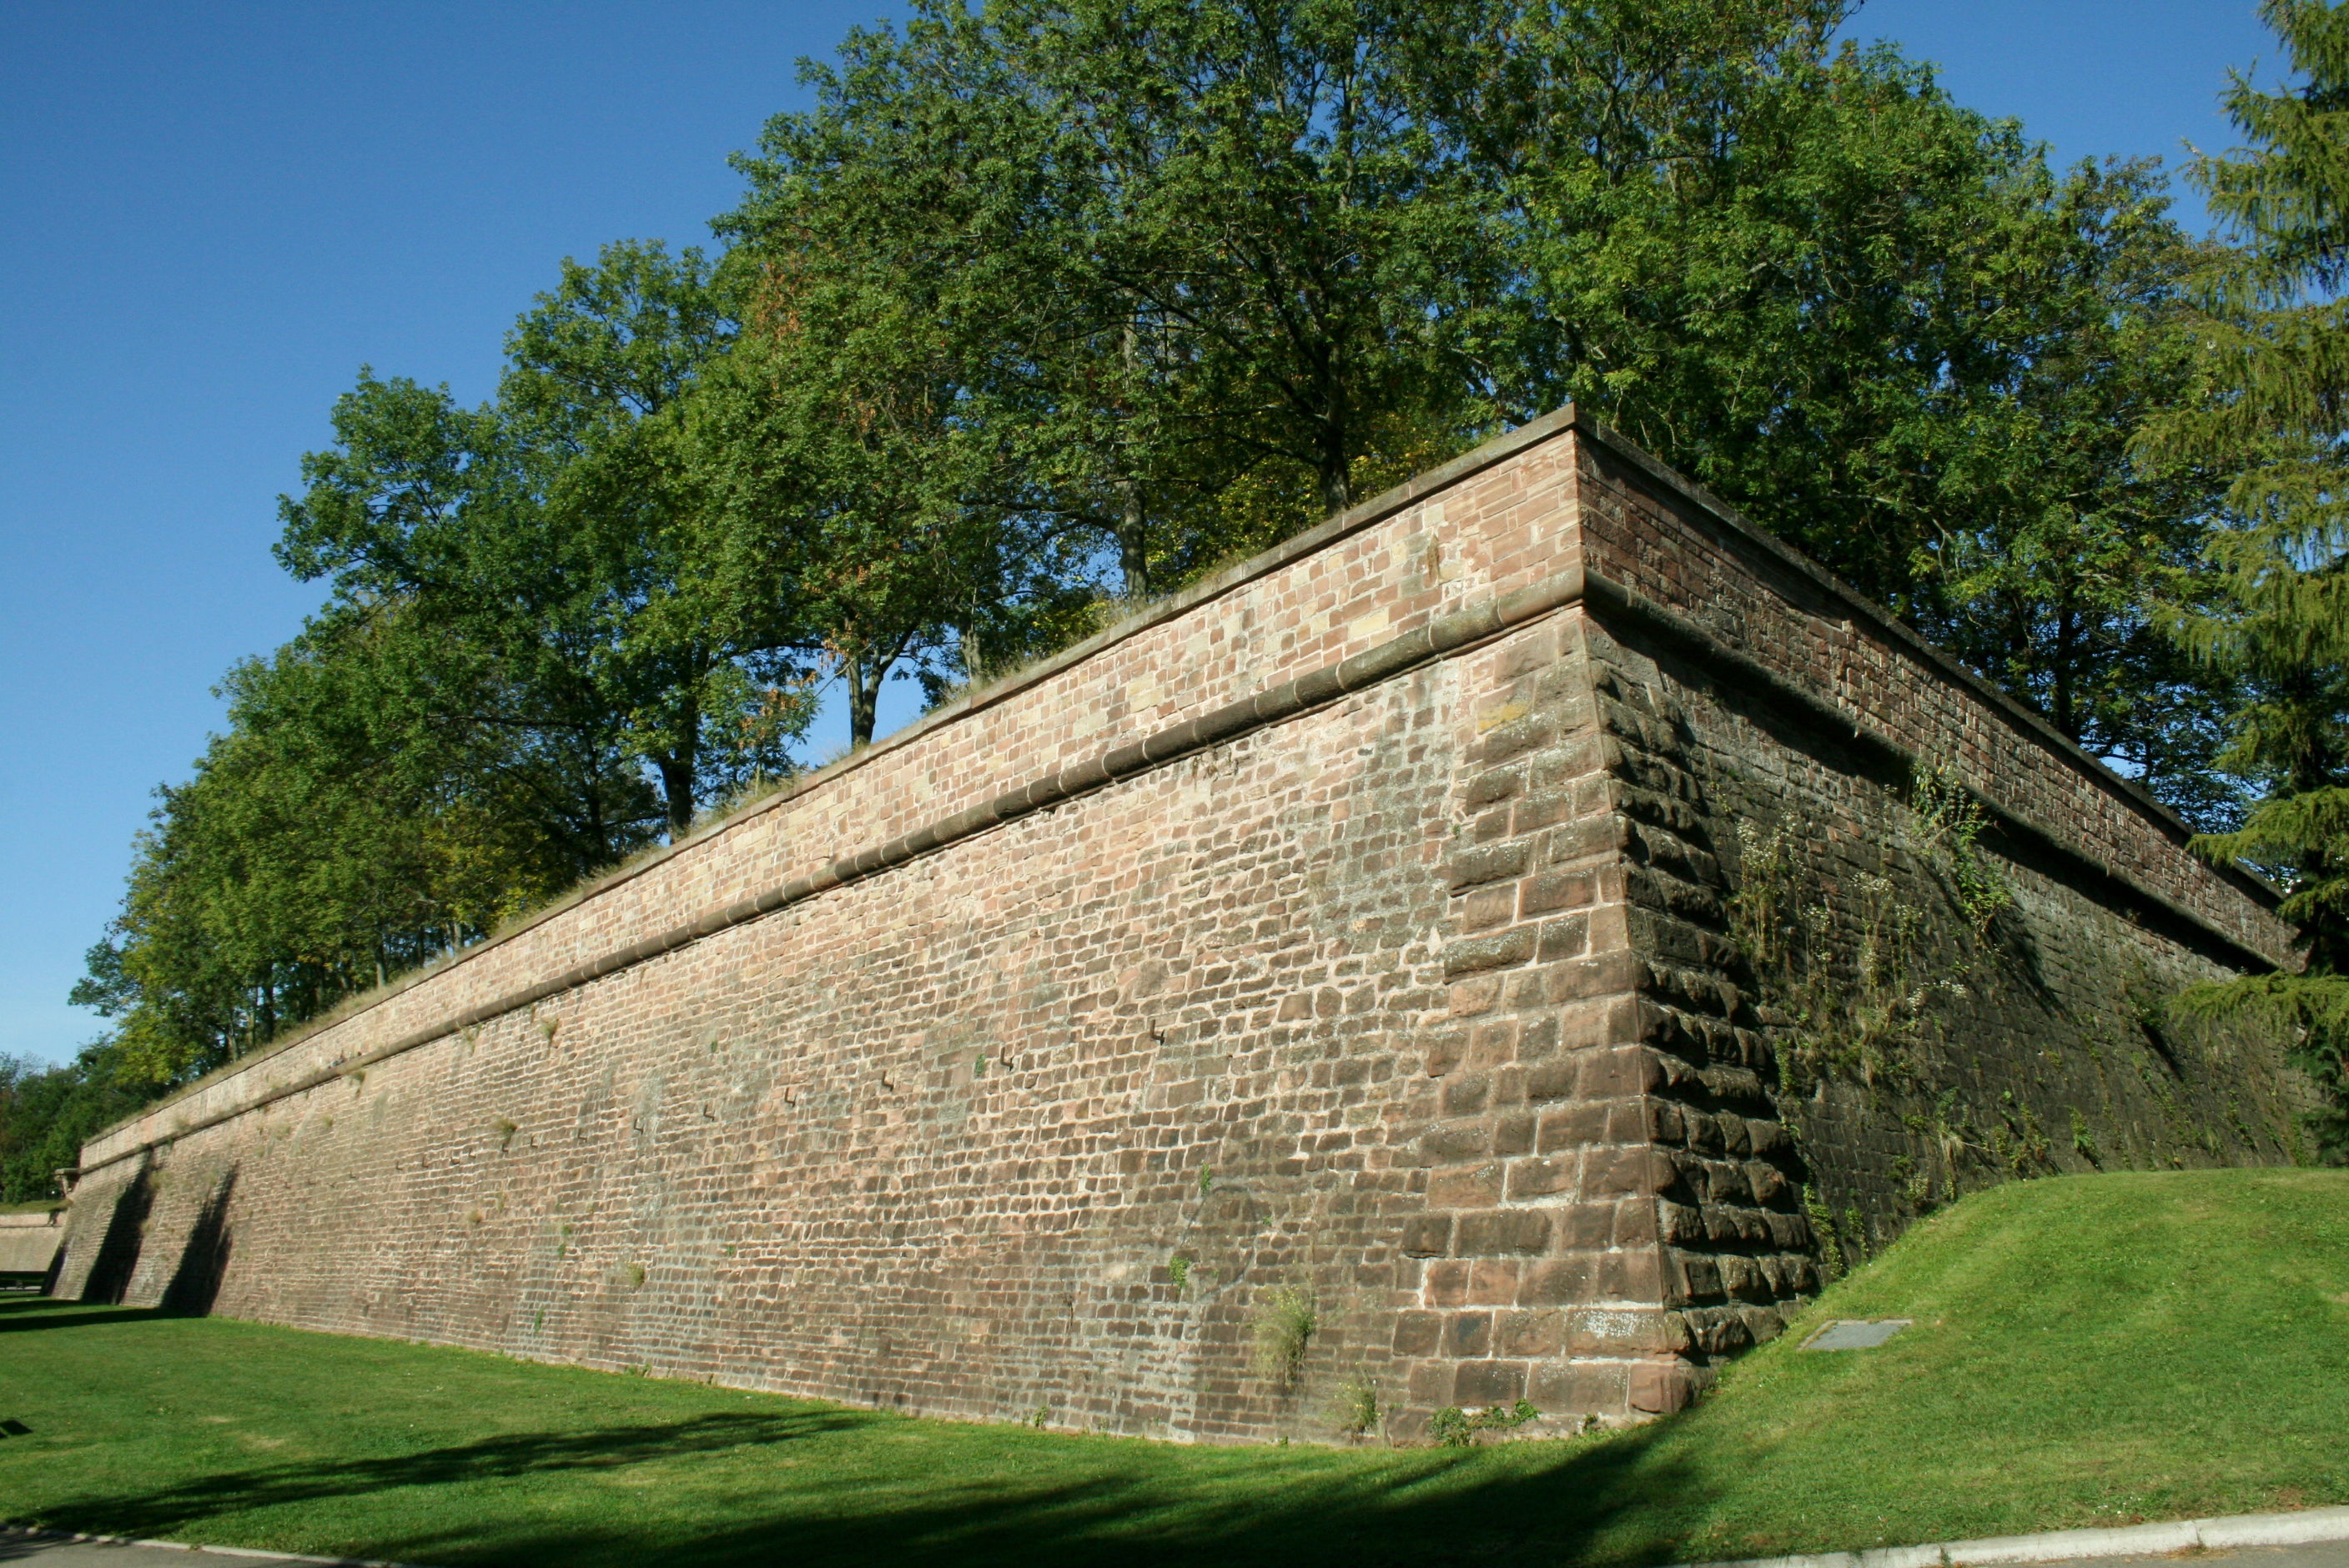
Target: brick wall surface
{"type": "Point", "coordinates": [1426, 1000]}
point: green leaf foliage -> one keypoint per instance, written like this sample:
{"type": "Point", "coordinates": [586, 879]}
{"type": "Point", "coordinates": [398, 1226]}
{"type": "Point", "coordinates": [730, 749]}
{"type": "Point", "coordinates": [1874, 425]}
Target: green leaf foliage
{"type": "Point", "coordinates": [2274, 351]}
{"type": "Point", "coordinates": [46, 1114]}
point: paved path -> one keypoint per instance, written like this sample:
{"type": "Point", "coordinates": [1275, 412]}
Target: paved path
{"type": "Point", "coordinates": [2317, 1554]}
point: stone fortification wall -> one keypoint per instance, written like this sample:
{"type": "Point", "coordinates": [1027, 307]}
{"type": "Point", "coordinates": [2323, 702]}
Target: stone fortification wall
{"type": "Point", "coordinates": [29, 1243]}
{"type": "Point", "coordinates": [1924, 988]}
{"type": "Point", "coordinates": [1487, 524]}
{"type": "Point", "coordinates": [1346, 979]}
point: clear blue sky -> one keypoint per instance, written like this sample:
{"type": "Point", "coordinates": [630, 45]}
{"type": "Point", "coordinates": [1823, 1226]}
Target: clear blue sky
{"type": "Point", "coordinates": [210, 215]}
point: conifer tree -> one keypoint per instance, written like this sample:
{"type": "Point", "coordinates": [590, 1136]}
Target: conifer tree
{"type": "Point", "coordinates": [2276, 346]}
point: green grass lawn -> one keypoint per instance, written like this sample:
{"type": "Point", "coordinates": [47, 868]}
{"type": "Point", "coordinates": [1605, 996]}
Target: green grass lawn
{"type": "Point", "coordinates": [2088, 1349]}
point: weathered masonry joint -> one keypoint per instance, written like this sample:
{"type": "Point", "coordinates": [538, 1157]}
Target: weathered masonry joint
{"type": "Point", "coordinates": [1505, 944]}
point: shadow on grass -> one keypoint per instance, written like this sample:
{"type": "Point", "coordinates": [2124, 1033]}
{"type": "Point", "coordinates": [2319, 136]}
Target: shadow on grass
{"type": "Point", "coordinates": [1133, 1508]}
{"type": "Point", "coordinates": [15, 1319]}
{"type": "Point", "coordinates": [158, 1512]}
{"type": "Point", "coordinates": [1463, 1511]}
{"type": "Point", "coordinates": [822, 1485]}
{"type": "Point", "coordinates": [21, 1313]}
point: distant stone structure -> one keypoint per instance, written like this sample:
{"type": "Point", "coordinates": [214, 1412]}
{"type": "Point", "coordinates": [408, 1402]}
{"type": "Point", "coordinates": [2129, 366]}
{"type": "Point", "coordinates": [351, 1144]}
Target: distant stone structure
{"type": "Point", "coordinates": [30, 1242]}
{"type": "Point", "coordinates": [1503, 943]}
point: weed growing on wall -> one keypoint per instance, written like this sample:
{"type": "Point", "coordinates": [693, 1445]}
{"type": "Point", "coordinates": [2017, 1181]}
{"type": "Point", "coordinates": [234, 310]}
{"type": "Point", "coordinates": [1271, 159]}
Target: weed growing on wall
{"type": "Point", "coordinates": [2083, 1143]}
{"type": "Point", "coordinates": [1845, 978]}
{"type": "Point", "coordinates": [1356, 1411]}
{"type": "Point", "coordinates": [1822, 1235]}
{"type": "Point", "coordinates": [2017, 1140]}
{"type": "Point", "coordinates": [1855, 966]}
{"type": "Point", "coordinates": [1914, 1184]}
{"type": "Point", "coordinates": [1888, 993]}
{"type": "Point", "coordinates": [1945, 821]}
{"type": "Point", "coordinates": [1456, 1429]}
{"type": "Point", "coordinates": [1286, 1322]}
{"type": "Point", "coordinates": [1848, 966]}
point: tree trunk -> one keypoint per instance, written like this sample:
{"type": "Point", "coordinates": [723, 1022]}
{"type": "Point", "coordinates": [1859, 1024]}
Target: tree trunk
{"type": "Point", "coordinates": [864, 699]}
{"type": "Point", "coordinates": [1337, 490]}
{"type": "Point", "coordinates": [974, 654]}
{"type": "Point", "coordinates": [677, 794]}
{"type": "Point", "coordinates": [2066, 649]}
{"type": "Point", "coordinates": [1133, 540]}
{"type": "Point", "coordinates": [599, 837]}
{"type": "Point", "coordinates": [677, 769]}
{"type": "Point", "coordinates": [1336, 472]}
{"type": "Point", "coordinates": [1133, 519]}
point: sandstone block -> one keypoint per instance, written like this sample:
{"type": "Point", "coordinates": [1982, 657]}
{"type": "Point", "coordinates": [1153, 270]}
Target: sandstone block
{"type": "Point", "coordinates": [1501, 1231]}
{"type": "Point", "coordinates": [1484, 1384]}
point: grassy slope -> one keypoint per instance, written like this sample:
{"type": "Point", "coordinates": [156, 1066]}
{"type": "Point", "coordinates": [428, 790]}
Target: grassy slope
{"type": "Point", "coordinates": [2087, 1349]}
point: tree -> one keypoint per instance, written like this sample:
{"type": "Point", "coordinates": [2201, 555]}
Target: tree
{"type": "Point", "coordinates": [46, 1114]}
{"type": "Point", "coordinates": [339, 831]}
{"type": "Point", "coordinates": [600, 374]}
{"type": "Point", "coordinates": [2059, 554]}
{"type": "Point", "coordinates": [1877, 322]}
{"type": "Point", "coordinates": [1196, 253]}
{"type": "Point", "coordinates": [504, 621]}
{"type": "Point", "coordinates": [2275, 337]}
{"type": "Point", "coordinates": [1199, 273]}
{"type": "Point", "coordinates": [842, 473]}
{"type": "Point", "coordinates": [500, 699]}
{"type": "Point", "coordinates": [548, 540]}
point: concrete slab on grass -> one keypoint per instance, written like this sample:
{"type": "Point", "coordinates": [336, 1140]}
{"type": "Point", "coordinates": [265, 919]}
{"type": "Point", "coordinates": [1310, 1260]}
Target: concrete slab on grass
{"type": "Point", "coordinates": [1856, 1334]}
